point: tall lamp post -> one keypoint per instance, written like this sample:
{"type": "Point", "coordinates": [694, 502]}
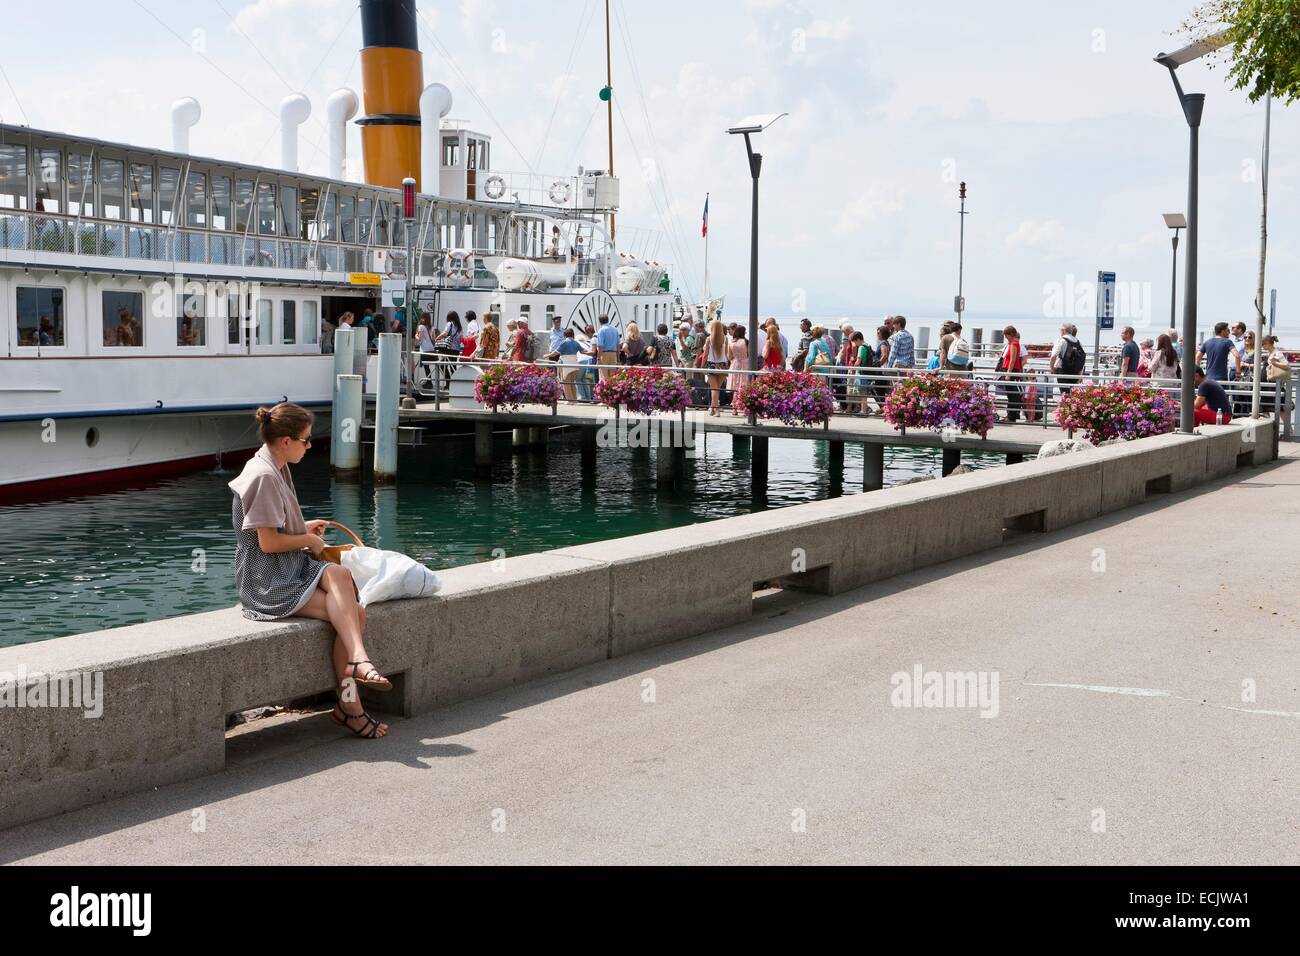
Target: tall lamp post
{"type": "Point", "coordinates": [408, 218]}
{"type": "Point", "coordinates": [1175, 221]}
{"type": "Point", "coordinates": [747, 127]}
{"type": "Point", "coordinates": [1257, 373]}
{"type": "Point", "coordinates": [1193, 104]}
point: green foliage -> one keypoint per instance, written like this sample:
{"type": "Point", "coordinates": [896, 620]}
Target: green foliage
{"type": "Point", "coordinates": [1264, 43]}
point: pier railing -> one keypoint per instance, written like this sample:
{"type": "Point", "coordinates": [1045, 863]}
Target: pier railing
{"type": "Point", "coordinates": [1029, 398]}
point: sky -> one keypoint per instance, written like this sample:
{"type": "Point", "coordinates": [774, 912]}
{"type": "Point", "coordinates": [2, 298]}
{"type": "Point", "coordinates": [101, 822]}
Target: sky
{"type": "Point", "coordinates": [1070, 138]}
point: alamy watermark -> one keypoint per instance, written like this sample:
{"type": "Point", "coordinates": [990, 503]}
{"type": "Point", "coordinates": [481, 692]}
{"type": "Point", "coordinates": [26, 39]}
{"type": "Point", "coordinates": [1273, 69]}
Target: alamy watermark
{"type": "Point", "coordinates": [948, 689]}
{"type": "Point", "coordinates": [82, 690]}
{"type": "Point", "coordinates": [625, 432]}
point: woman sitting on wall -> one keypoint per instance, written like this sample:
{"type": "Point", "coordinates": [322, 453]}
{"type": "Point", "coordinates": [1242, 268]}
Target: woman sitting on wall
{"type": "Point", "coordinates": [278, 571]}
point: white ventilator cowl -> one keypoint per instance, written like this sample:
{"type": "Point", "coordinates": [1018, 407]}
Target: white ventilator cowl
{"type": "Point", "coordinates": [185, 113]}
{"type": "Point", "coordinates": [294, 110]}
{"type": "Point", "coordinates": [435, 103]}
{"type": "Point", "coordinates": [341, 106]}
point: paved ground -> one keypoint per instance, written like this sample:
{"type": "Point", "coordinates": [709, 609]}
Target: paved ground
{"type": "Point", "coordinates": [1121, 734]}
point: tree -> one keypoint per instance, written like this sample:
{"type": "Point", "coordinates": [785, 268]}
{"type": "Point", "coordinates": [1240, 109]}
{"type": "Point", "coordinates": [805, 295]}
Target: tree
{"type": "Point", "coordinates": [1263, 43]}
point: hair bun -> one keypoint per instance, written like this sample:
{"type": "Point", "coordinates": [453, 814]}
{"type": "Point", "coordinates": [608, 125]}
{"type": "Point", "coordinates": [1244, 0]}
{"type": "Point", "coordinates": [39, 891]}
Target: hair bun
{"type": "Point", "coordinates": [262, 414]}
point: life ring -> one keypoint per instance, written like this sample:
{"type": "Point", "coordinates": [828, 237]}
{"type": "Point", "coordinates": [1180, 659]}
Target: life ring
{"type": "Point", "coordinates": [559, 192]}
{"type": "Point", "coordinates": [494, 187]}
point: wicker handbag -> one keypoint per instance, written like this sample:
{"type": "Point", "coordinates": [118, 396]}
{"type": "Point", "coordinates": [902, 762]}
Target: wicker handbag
{"type": "Point", "coordinates": [334, 552]}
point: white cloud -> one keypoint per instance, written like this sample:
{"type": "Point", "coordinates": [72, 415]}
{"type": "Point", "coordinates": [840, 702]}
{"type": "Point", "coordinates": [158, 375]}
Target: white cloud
{"type": "Point", "coordinates": [1031, 234]}
{"type": "Point", "coordinates": [878, 201]}
{"type": "Point", "coordinates": [830, 29]}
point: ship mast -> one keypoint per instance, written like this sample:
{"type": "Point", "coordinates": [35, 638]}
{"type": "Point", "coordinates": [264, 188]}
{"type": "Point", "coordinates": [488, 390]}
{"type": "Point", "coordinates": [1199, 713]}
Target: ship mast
{"type": "Point", "coordinates": [609, 106]}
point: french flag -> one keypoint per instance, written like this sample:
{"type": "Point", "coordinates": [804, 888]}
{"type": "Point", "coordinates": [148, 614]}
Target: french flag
{"type": "Point", "coordinates": [705, 229]}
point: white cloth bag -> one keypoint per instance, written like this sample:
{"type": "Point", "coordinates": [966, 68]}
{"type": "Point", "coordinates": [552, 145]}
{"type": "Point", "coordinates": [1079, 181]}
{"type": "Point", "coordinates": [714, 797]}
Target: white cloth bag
{"type": "Point", "coordinates": [387, 575]}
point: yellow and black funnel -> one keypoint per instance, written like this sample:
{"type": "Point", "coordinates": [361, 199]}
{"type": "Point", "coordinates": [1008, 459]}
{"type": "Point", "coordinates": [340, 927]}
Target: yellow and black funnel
{"type": "Point", "coordinates": [392, 77]}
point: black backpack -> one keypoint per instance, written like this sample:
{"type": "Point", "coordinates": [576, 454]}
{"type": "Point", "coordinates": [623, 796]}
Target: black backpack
{"type": "Point", "coordinates": [1074, 359]}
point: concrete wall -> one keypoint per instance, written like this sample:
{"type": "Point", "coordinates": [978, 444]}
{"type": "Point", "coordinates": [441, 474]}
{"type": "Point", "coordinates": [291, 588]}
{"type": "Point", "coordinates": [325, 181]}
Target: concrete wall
{"type": "Point", "coordinates": [169, 685]}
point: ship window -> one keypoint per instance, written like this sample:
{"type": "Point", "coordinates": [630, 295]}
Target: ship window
{"type": "Point", "coordinates": [308, 206]}
{"type": "Point", "coordinates": [288, 321]}
{"type": "Point", "coordinates": [112, 190]}
{"type": "Point", "coordinates": [381, 223]}
{"type": "Point", "coordinates": [121, 318]}
{"type": "Point", "coordinates": [440, 227]}
{"type": "Point", "coordinates": [196, 200]}
{"type": "Point", "coordinates": [169, 184]}
{"type": "Point", "coordinates": [232, 318]}
{"type": "Point", "coordinates": [141, 192]}
{"type": "Point", "coordinates": [220, 202]}
{"type": "Point", "coordinates": [49, 180]}
{"type": "Point", "coordinates": [365, 210]}
{"type": "Point", "coordinates": [263, 322]}
{"type": "Point", "coordinates": [451, 151]}
{"type": "Point", "coordinates": [471, 155]}
{"type": "Point", "coordinates": [40, 316]}
{"type": "Point", "coordinates": [266, 209]}
{"type": "Point", "coordinates": [310, 322]}
{"type": "Point", "coordinates": [288, 211]}
{"type": "Point", "coordinates": [243, 205]}
{"type": "Point", "coordinates": [191, 322]}
{"type": "Point", "coordinates": [13, 177]}
{"type": "Point", "coordinates": [81, 185]}
{"type": "Point", "coordinates": [347, 218]}
{"type": "Point", "coordinates": [329, 226]}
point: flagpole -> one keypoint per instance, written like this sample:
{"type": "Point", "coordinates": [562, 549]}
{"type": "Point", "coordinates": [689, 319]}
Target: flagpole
{"type": "Point", "coordinates": [706, 249]}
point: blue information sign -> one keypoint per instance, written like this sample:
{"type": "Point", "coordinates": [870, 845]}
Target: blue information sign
{"type": "Point", "coordinates": [1105, 300]}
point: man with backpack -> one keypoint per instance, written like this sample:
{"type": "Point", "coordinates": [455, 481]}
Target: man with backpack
{"type": "Point", "coordinates": [957, 354]}
{"type": "Point", "coordinates": [1068, 358]}
{"type": "Point", "coordinates": [524, 350]}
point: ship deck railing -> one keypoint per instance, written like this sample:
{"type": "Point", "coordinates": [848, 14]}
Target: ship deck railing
{"type": "Point", "coordinates": [41, 240]}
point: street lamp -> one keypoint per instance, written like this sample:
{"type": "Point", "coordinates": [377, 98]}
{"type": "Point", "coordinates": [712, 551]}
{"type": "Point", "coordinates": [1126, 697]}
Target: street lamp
{"type": "Point", "coordinates": [1193, 104]}
{"type": "Point", "coordinates": [746, 127]}
{"type": "Point", "coordinates": [1175, 221]}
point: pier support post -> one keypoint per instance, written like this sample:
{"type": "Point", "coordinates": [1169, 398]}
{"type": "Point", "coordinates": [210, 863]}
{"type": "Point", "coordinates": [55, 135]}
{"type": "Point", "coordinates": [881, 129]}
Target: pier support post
{"type": "Point", "coordinates": [519, 438]}
{"type": "Point", "coordinates": [665, 466]}
{"type": "Point", "coordinates": [1014, 458]}
{"type": "Point", "coordinates": [951, 459]}
{"type": "Point", "coordinates": [343, 349]}
{"type": "Point", "coordinates": [483, 449]}
{"type": "Point", "coordinates": [873, 466]}
{"type": "Point", "coordinates": [387, 389]}
{"type": "Point", "coordinates": [836, 450]}
{"type": "Point", "coordinates": [739, 443]}
{"type": "Point", "coordinates": [537, 437]}
{"type": "Point", "coordinates": [758, 462]}
{"type": "Point", "coordinates": [347, 426]}
{"type": "Point", "coordinates": [589, 436]}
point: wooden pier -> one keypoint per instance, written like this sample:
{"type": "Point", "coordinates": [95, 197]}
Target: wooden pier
{"type": "Point", "coordinates": [530, 427]}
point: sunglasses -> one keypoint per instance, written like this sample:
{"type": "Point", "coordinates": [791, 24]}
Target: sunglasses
{"type": "Point", "coordinates": [305, 441]}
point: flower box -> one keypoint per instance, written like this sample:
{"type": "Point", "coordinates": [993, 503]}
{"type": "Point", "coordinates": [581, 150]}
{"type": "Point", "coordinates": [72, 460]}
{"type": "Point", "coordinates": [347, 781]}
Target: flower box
{"type": "Point", "coordinates": [511, 384]}
{"type": "Point", "coordinates": [1117, 410]}
{"type": "Point", "coordinates": [795, 398]}
{"type": "Point", "coordinates": [644, 390]}
{"type": "Point", "coordinates": [941, 403]}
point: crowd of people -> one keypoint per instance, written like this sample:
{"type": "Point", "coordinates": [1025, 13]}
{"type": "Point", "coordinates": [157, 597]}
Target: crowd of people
{"type": "Point", "coordinates": [858, 363]}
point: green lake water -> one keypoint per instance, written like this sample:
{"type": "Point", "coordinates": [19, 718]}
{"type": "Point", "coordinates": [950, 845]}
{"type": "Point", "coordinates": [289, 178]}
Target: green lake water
{"type": "Point", "coordinates": [167, 549]}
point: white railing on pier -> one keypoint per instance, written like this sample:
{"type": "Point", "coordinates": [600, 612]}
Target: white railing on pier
{"type": "Point", "coordinates": [1010, 391]}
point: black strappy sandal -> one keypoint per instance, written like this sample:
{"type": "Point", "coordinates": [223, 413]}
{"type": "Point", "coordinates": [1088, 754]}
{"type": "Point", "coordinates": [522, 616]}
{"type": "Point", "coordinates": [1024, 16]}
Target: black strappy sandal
{"type": "Point", "coordinates": [369, 731]}
{"type": "Point", "coordinates": [383, 683]}
{"type": "Point", "coordinates": [341, 716]}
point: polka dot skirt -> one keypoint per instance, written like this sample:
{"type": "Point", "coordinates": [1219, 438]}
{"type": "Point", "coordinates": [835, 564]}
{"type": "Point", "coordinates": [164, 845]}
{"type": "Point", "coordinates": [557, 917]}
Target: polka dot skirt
{"type": "Point", "coordinates": [270, 586]}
